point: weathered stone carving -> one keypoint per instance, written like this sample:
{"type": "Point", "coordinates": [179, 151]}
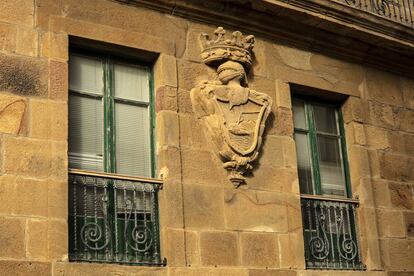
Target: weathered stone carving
{"type": "Point", "coordinates": [234, 116]}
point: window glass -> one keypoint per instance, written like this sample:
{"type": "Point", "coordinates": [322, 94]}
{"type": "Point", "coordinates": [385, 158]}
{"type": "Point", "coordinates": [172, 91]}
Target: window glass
{"type": "Point", "coordinates": [304, 163]}
{"type": "Point", "coordinates": [325, 119]}
{"type": "Point", "coordinates": [131, 83]}
{"type": "Point", "coordinates": [299, 116]}
{"type": "Point", "coordinates": [330, 166]}
{"type": "Point", "coordinates": [85, 74]}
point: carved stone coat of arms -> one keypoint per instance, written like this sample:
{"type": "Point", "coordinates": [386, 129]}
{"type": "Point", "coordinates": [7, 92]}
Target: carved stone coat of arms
{"type": "Point", "coordinates": [233, 115]}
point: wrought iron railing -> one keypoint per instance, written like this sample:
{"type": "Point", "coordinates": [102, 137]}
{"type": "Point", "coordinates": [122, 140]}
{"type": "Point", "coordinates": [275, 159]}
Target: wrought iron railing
{"type": "Point", "coordinates": [330, 233]}
{"type": "Point", "coordinates": [400, 11]}
{"type": "Point", "coordinates": [113, 218]}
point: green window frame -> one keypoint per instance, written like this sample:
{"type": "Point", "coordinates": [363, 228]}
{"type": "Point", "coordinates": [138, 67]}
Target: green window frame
{"type": "Point", "coordinates": [113, 216]}
{"type": "Point", "coordinates": [310, 129]}
{"type": "Point", "coordinates": [328, 210]}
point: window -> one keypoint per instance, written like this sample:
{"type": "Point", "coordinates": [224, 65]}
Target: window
{"type": "Point", "coordinates": [113, 209]}
{"type": "Point", "coordinates": [328, 212]}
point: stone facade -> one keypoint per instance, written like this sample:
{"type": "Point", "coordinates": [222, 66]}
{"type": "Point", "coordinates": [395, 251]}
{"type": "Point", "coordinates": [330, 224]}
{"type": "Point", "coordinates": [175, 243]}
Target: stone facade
{"type": "Point", "coordinates": [207, 226]}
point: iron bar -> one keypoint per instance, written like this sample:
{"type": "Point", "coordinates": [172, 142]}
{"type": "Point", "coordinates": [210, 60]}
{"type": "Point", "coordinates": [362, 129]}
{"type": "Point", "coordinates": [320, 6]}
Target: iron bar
{"type": "Point", "coordinates": [119, 220]}
{"type": "Point", "coordinates": [330, 233]}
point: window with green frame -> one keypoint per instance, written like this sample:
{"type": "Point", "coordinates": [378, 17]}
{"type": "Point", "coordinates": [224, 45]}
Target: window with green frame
{"type": "Point", "coordinates": [113, 202]}
{"type": "Point", "coordinates": [321, 149]}
{"type": "Point", "coordinates": [328, 210]}
{"type": "Point", "coordinates": [110, 116]}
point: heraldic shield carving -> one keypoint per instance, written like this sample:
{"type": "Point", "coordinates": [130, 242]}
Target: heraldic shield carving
{"type": "Point", "coordinates": [233, 115]}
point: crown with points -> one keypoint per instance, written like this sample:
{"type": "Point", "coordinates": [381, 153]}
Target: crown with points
{"type": "Point", "coordinates": [236, 48]}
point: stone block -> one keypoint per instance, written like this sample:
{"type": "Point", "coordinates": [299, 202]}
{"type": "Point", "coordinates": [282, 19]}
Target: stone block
{"type": "Point", "coordinates": [283, 97]}
{"type": "Point", "coordinates": [49, 120]}
{"type": "Point", "coordinates": [208, 271]}
{"type": "Point", "coordinates": [58, 80]}
{"type": "Point", "coordinates": [359, 136]}
{"type": "Point", "coordinates": [99, 269]}
{"type": "Point", "coordinates": [12, 238]}
{"type": "Point", "coordinates": [405, 120]}
{"type": "Point", "coordinates": [169, 163]}
{"type": "Point", "coordinates": [37, 243]}
{"type": "Point", "coordinates": [383, 87]}
{"type": "Point", "coordinates": [35, 158]}
{"type": "Point", "coordinates": [24, 76]}
{"type": "Point", "coordinates": [364, 192]}
{"type": "Point", "coordinates": [261, 61]}
{"type": "Point", "coordinates": [294, 57]}
{"type": "Point", "coordinates": [397, 254]}
{"type": "Point", "coordinates": [377, 138]}
{"type": "Point", "coordinates": [168, 129]}
{"type": "Point", "coordinates": [291, 248]}
{"type": "Point", "coordinates": [184, 101]}
{"type": "Point", "coordinates": [166, 99]}
{"type": "Point", "coordinates": [202, 167]}
{"type": "Point", "coordinates": [255, 211]}
{"type": "Point", "coordinates": [259, 250]}
{"type": "Point", "coordinates": [54, 45]}
{"type": "Point", "coordinates": [219, 249]}
{"type": "Point", "coordinates": [397, 142]}
{"type": "Point", "coordinates": [272, 151]}
{"type": "Point", "coordinates": [12, 111]}
{"type": "Point", "coordinates": [370, 253]}
{"type": "Point", "coordinates": [280, 179]}
{"type": "Point", "coordinates": [382, 193]}
{"type": "Point", "coordinates": [396, 167]}
{"type": "Point", "coordinates": [263, 85]}
{"type": "Point", "coordinates": [407, 86]}
{"type": "Point", "coordinates": [355, 109]}
{"type": "Point", "coordinates": [401, 195]}
{"type": "Point", "coordinates": [139, 37]}
{"type": "Point", "coordinates": [359, 164]}
{"type": "Point", "coordinates": [280, 122]}
{"type": "Point", "coordinates": [174, 247]}
{"type": "Point", "coordinates": [57, 236]}
{"type": "Point", "coordinates": [409, 223]}
{"type": "Point", "coordinates": [367, 222]}
{"type": "Point", "coordinates": [45, 8]}
{"type": "Point", "coordinates": [191, 74]}
{"type": "Point", "coordinates": [24, 268]}
{"type": "Point", "coordinates": [390, 224]}
{"type": "Point", "coordinates": [32, 197]}
{"type": "Point", "coordinates": [57, 199]}
{"type": "Point", "coordinates": [192, 135]}
{"type": "Point", "coordinates": [171, 204]}
{"type": "Point", "coordinates": [193, 44]}
{"type": "Point", "coordinates": [203, 207]}
{"type": "Point", "coordinates": [192, 248]}
{"type": "Point", "coordinates": [27, 41]}
{"type": "Point", "coordinates": [271, 272]}
{"type": "Point", "coordinates": [165, 71]}
{"type": "Point", "coordinates": [381, 115]}
{"type": "Point", "coordinates": [8, 33]}
{"type": "Point", "coordinates": [22, 15]}
{"type": "Point", "coordinates": [408, 144]}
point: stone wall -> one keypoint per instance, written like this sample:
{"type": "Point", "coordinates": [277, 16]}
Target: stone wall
{"type": "Point", "coordinates": [207, 226]}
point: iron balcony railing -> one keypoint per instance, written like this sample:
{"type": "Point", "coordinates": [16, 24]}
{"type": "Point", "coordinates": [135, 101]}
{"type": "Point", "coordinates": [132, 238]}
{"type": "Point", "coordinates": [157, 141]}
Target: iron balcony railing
{"type": "Point", "coordinates": [113, 218]}
{"type": "Point", "coordinates": [400, 11]}
{"type": "Point", "coordinates": [330, 233]}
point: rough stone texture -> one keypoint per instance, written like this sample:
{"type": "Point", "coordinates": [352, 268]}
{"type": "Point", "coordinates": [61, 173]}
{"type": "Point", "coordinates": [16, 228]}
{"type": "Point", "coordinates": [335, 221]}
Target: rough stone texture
{"type": "Point", "coordinates": [49, 120]}
{"type": "Point", "coordinates": [271, 272]}
{"type": "Point", "coordinates": [165, 71]}
{"type": "Point", "coordinates": [219, 249]}
{"type": "Point", "coordinates": [391, 224]}
{"type": "Point", "coordinates": [12, 111]}
{"type": "Point", "coordinates": [166, 99]}
{"type": "Point", "coordinates": [21, 15]}
{"type": "Point", "coordinates": [27, 41]}
{"type": "Point", "coordinates": [7, 37]}
{"type": "Point", "coordinates": [255, 211]}
{"type": "Point", "coordinates": [401, 195]}
{"type": "Point", "coordinates": [208, 271]}
{"type": "Point", "coordinates": [30, 157]}
{"type": "Point", "coordinates": [12, 238]}
{"type": "Point", "coordinates": [259, 250]}
{"type": "Point", "coordinates": [37, 243]}
{"type": "Point", "coordinates": [383, 87]}
{"type": "Point", "coordinates": [203, 207]}
{"type": "Point", "coordinates": [23, 76]}
{"type": "Point", "coordinates": [58, 80]}
{"type": "Point", "coordinates": [57, 236]}
{"type": "Point", "coordinates": [24, 268]}
{"type": "Point", "coordinates": [168, 134]}
{"type": "Point", "coordinates": [94, 269]}
{"type": "Point", "coordinates": [409, 224]}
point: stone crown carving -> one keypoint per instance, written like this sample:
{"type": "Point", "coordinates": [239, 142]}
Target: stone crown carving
{"type": "Point", "coordinates": [233, 115]}
{"type": "Point", "coordinates": [237, 48]}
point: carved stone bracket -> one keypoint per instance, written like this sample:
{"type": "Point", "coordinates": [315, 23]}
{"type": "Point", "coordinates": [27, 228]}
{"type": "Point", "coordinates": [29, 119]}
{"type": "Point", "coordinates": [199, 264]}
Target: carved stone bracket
{"type": "Point", "coordinates": [233, 115]}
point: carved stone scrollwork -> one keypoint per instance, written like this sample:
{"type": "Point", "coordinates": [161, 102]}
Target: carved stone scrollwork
{"type": "Point", "coordinates": [233, 115]}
